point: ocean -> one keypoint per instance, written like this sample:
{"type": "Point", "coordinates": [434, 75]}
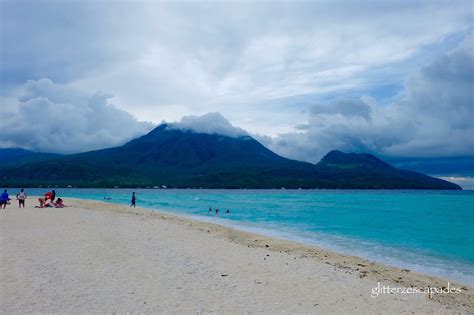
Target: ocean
{"type": "Point", "coordinates": [431, 232]}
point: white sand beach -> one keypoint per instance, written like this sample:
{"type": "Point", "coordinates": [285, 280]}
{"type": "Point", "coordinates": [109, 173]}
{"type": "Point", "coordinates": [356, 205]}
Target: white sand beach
{"type": "Point", "coordinates": [95, 257]}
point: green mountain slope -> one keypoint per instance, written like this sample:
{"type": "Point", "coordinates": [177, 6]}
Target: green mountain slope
{"type": "Point", "coordinates": [353, 170]}
{"type": "Point", "coordinates": [178, 158]}
{"type": "Point", "coordinates": [18, 155]}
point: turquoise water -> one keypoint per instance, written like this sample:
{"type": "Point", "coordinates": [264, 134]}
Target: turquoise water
{"type": "Point", "coordinates": [427, 231]}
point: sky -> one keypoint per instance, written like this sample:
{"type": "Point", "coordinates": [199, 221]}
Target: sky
{"type": "Point", "coordinates": [392, 78]}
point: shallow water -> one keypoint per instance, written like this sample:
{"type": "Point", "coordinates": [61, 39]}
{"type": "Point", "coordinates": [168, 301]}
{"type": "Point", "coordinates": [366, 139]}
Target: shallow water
{"type": "Point", "coordinates": [427, 231]}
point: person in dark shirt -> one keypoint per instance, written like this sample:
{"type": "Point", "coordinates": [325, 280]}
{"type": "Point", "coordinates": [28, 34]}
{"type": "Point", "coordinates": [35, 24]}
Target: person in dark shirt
{"type": "Point", "coordinates": [134, 200]}
{"type": "Point", "coordinates": [4, 199]}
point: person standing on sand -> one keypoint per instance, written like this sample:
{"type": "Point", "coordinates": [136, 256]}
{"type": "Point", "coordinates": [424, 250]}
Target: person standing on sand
{"type": "Point", "coordinates": [21, 196]}
{"type": "Point", "coordinates": [4, 199]}
{"type": "Point", "coordinates": [53, 196]}
{"type": "Point", "coordinates": [134, 200]}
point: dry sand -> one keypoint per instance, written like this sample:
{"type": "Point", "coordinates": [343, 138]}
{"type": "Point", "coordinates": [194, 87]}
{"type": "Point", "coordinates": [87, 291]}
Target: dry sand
{"type": "Point", "coordinates": [103, 258]}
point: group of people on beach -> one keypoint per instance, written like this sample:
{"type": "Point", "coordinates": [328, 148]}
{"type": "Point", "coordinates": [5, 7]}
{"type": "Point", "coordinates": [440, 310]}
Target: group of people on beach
{"type": "Point", "coordinates": [5, 198]}
{"type": "Point", "coordinates": [49, 200]}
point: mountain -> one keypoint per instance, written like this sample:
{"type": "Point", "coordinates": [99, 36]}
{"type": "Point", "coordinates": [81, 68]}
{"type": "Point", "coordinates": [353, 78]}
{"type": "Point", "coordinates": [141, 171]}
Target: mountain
{"type": "Point", "coordinates": [13, 154]}
{"type": "Point", "coordinates": [181, 158]}
{"type": "Point", "coordinates": [19, 155]}
{"type": "Point", "coordinates": [362, 170]}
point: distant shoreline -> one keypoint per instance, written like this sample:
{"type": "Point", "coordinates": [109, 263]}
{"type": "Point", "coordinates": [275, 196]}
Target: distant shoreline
{"type": "Point", "coordinates": [204, 188]}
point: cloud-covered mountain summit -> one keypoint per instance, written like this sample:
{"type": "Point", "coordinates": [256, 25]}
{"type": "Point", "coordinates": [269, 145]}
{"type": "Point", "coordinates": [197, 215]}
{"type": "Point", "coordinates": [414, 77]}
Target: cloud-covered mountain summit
{"type": "Point", "coordinates": [210, 123]}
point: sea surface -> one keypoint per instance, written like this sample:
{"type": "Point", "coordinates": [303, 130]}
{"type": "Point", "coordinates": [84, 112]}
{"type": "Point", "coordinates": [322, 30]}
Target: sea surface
{"type": "Point", "coordinates": [427, 231]}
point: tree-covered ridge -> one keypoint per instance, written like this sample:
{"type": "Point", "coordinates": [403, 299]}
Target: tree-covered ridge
{"type": "Point", "coordinates": [182, 159]}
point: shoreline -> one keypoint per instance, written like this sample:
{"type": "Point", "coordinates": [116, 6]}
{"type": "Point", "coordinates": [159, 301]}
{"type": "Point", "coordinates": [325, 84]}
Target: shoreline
{"type": "Point", "coordinates": [277, 235]}
{"type": "Point", "coordinates": [357, 269]}
{"type": "Point", "coordinates": [292, 237]}
{"type": "Point", "coordinates": [378, 271]}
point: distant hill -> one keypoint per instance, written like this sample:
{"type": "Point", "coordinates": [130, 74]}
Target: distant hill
{"type": "Point", "coordinates": [362, 170]}
{"type": "Point", "coordinates": [18, 155]}
{"type": "Point", "coordinates": [13, 155]}
{"type": "Point", "coordinates": [180, 158]}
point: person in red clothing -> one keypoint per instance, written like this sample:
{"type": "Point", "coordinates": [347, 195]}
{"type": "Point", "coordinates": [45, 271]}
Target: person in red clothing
{"type": "Point", "coordinates": [48, 199]}
{"type": "Point", "coordinates": [48, 196]}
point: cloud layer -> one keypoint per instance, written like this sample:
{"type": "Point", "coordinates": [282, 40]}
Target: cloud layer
{"type": "Point", "coordinates": [164, 60]}
{"type": "Point", "coordinates": [210, 123]}
{"type": "Point", "coordinates": [57, 118]}
{"type": "Point", "coordinates": [431, 117]}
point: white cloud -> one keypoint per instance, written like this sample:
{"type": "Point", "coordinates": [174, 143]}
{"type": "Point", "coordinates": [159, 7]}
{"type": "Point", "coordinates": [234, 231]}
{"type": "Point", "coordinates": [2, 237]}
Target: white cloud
{"type": "Point", "coordinates": [210, 123]}
{"type": "Point", "coordinates": [56, 118]}
{"type": "Point", "coordinates": [164, 60]}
